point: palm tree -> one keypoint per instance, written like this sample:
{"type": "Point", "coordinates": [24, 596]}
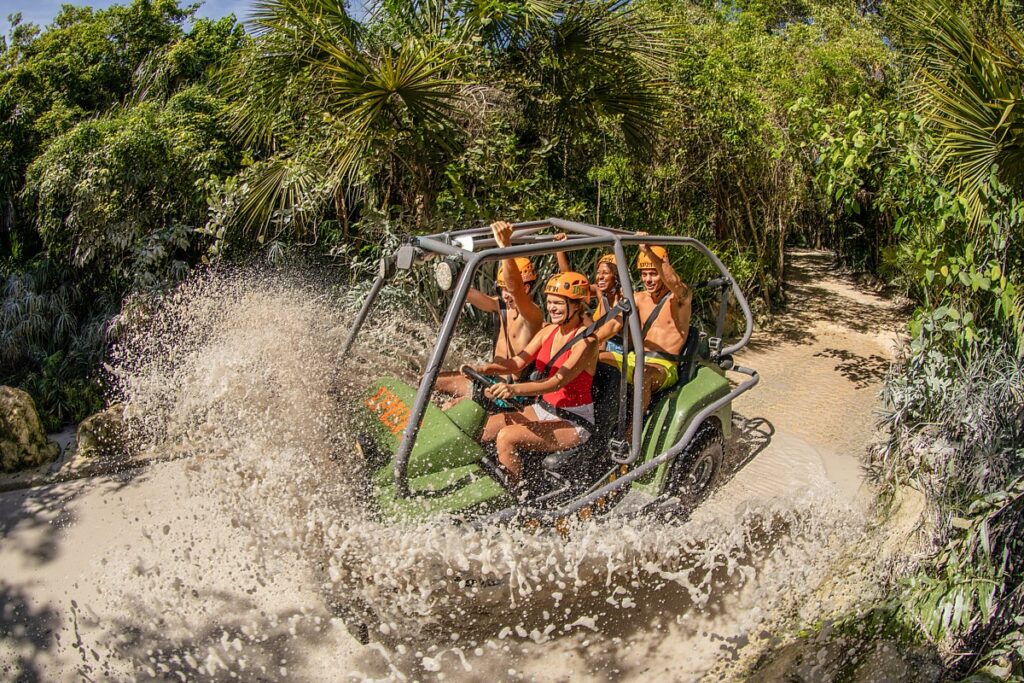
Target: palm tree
{"type": "Point", "coordinates": [338, 111]}
{"type": "Point", "coordinates": [969, 88]}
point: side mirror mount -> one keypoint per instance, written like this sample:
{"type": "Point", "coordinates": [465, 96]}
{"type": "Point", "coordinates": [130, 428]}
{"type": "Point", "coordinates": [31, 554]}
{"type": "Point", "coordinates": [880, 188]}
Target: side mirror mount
{"type": "Point", "coordinates": [406, 256]}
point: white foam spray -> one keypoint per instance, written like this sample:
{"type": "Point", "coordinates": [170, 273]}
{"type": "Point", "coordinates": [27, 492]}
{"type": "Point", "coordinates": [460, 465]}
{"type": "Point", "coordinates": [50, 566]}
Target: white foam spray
{"type": "Point", "coordinates": [240, 373]}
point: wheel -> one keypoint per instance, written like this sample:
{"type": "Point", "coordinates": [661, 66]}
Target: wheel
{"type": "Point", "coordinates": [694, 474]}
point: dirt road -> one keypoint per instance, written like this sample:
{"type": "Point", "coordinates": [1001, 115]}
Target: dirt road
{"type": "Point", "coordinates": [159, 574]}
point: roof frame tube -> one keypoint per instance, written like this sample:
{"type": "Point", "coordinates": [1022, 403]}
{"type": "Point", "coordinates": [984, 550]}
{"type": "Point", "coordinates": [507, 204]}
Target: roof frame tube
{"type": "Point", "coordinates": [364, 311]}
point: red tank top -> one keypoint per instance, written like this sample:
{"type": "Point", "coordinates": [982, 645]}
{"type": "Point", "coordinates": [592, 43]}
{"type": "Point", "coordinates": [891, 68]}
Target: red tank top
{"type": "Point", "coordinates": [575, 393]}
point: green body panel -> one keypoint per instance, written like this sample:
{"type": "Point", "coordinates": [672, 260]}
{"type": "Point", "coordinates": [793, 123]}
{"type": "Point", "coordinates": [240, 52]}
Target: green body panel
{"type": "Point", "coordinates": [444, 441]}
{"type": "Point", "coordinates": [457, 490]}
{"type": "Point", "coordinates": [469, 416]}
{"type": "Point", "coordinates": [443, 474]}
{"type": "Point", "coordinates": [671, 416]}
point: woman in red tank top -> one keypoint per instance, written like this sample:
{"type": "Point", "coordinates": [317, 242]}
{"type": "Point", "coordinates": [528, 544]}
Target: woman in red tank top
{"type": "Point", "coordinates": [564, 363]}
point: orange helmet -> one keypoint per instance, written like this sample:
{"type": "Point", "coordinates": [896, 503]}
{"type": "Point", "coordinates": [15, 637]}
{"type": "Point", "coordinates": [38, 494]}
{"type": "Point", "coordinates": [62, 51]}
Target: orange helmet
{"type": "Point", "coordinates": [570, 285]}
{"type": "Point", "coordinates": [609, 259]}
{"type": "Point", "coordinates": [525, 270]}
{"type": "Point", "coordinates": [644, 263]}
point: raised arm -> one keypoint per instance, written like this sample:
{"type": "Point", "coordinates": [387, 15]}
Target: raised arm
{"type": "Point", "coordinates": [563, 261]}
{"type": "Point", "coordinates": [480, 300]}
{"type": "Point", "coordinates": [514, 279]}
{"type": "Point", "coordinates": [669, 276]}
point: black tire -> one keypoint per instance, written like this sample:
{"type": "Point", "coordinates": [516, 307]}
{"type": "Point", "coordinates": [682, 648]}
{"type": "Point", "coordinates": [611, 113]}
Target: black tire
{"type": "Point", "coordinates": [694, 474]}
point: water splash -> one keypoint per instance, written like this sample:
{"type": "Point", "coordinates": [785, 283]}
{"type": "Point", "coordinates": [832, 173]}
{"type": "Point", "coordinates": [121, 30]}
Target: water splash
{"type": "Point", "coordinates": [241, 374]}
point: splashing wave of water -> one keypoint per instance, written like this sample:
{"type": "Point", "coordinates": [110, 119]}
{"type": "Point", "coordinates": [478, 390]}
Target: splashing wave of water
{"type": "Point", "coordinates": [241, 373]}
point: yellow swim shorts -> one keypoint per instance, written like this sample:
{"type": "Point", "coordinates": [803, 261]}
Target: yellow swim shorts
{"type": "Point", "coordinates": [671, 369]}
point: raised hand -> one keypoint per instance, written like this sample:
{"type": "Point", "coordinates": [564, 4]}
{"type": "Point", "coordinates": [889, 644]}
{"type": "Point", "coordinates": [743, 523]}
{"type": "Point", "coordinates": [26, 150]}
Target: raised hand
{"type": "Point", "coordinates": [502, 233]}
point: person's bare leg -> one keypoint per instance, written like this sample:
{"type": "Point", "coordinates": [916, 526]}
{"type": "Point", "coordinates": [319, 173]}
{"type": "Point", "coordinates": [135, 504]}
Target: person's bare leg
{"type": "Point", "coordinates": [542, 437]}
{"type": "Point", "coordinates": [654, 377]}
{"type": "Point", "coordinates": [454, 384]}
{"type": "Point", "coordinates": [495, 423]}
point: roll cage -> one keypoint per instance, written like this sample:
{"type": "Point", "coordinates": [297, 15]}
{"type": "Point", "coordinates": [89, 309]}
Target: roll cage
{"type": "Point", "coordinates": [465, 251]}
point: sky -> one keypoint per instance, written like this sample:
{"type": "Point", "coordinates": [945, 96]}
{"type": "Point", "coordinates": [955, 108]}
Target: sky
{"type": "Point", "coordinates": [42, 12]}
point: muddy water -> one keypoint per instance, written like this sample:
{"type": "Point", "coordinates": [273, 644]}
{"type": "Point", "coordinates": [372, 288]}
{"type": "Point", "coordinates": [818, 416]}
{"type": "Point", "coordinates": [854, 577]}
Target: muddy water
{"type": "Point", "coordinates": [236, 560]}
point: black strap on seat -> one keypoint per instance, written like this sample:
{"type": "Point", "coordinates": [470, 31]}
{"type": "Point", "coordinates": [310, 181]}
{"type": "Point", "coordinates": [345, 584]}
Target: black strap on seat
{"type": "Point", "coordinates": [623, 387]}
{"type": "Point", "coordinates": [670, 357]}
{"type": "Point", "coordinates": [648, 324]}
{"type": "Point", "coordinates": [615, 339]}
{"type": "Point", "coordinates": [621, 307]}
{"type": "Point", "coordinates": [569, 416]}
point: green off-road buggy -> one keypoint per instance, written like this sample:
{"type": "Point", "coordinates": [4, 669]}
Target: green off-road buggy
{"type": "Point", "coordinates": [425, 461]}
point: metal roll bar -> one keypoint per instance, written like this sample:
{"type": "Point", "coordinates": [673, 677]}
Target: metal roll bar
{"type": "Point", "coordinates": [582, 236]}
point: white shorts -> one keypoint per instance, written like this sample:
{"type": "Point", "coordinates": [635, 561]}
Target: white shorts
{"type": "Point", "coordinates": [586, 412]}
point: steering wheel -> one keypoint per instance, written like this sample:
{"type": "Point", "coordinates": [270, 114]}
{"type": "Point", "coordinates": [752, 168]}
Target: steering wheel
{"type": "Point", "coordinates": [485, 381]}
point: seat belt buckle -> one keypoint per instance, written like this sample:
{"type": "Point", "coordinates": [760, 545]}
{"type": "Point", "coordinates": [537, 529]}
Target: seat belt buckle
{"type": "Point", "coordinates": [715, 346]}
{"type": "Point", "coordinates": [618, 449]}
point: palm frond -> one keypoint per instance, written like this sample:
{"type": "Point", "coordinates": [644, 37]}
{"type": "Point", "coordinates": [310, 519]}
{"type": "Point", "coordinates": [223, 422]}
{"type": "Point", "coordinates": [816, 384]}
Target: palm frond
{"type": "Point", "coordinates": [969, 89]}
{"type": "Point", "coordinates": [278, 193]}
{"type": "Point", "coordinates": [365, 93]}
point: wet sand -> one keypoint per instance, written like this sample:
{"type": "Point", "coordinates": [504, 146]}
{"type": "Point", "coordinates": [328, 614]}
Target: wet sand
{"type": "Point", "coordinates": [156, 574]}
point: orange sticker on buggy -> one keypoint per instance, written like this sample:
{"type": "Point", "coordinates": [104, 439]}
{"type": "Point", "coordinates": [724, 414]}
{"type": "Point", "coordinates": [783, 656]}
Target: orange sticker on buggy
{"type": "Point", "coordinates": [390, 410]}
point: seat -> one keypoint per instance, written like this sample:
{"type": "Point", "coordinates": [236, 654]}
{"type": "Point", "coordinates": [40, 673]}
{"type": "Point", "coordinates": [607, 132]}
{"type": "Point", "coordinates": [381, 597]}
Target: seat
{"type": "Point", "coordinates": [689, 356]}
{"type": "Point", "coordinates": [606, 409]}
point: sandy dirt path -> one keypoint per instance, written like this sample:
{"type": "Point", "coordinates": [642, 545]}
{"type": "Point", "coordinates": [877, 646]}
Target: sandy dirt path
{"type": "Point", "coordinates": [822, 364]}
{"type": "Point", "coordinates": [91, 571]}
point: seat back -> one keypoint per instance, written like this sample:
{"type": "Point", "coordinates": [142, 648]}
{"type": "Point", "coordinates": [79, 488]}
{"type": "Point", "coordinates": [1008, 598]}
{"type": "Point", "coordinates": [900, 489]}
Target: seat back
{"type": "Point", "coordinates": [688, 357]}
{"type": "Point", "coordinates": [606, 398]}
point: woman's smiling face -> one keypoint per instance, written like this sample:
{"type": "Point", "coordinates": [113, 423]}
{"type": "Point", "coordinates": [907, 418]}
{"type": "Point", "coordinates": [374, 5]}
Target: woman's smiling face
{"type": "Point", "coordinates": [605, 278]}
{"type": "Point", "coordinates": [558, 309]}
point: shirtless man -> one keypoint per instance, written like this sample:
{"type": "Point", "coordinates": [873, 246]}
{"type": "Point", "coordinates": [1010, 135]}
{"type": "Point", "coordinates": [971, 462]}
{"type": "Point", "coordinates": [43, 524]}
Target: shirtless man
{"type": "Point", "coordinates": [664, 308]}
{"type": "Point", "coordinates": [519, 322]}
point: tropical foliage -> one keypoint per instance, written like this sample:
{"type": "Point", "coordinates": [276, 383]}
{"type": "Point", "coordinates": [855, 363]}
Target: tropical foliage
{"type": "Point", "coordinates": [140, 141]}
{"type": "Point", "coordinates": [108, 137]}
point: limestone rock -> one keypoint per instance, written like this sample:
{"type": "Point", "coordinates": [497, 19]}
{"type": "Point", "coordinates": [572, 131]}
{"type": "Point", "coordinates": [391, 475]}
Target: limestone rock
{"type": "Point", "coordinates": [23, 442]}
{"type": "Point", "coordinates": [103, 435]}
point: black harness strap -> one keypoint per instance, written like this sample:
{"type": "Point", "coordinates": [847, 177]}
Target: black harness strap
{"type": "Point", "coordinates": [568, 416]}
{"type": "Point", "coordinates": [649, 323]}
{"type": "Point", "coordinates": [616, 339]}
{"type": "Point", "coordinates": [621, 307]}
{"type": "Point", "coordinates": [623, 385]}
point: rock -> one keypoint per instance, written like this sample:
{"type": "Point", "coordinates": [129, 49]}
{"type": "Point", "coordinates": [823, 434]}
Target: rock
{"type": "Point", "coordinates": [23, 442]}
{"type": "Point", "coordinates": [103, 435]}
